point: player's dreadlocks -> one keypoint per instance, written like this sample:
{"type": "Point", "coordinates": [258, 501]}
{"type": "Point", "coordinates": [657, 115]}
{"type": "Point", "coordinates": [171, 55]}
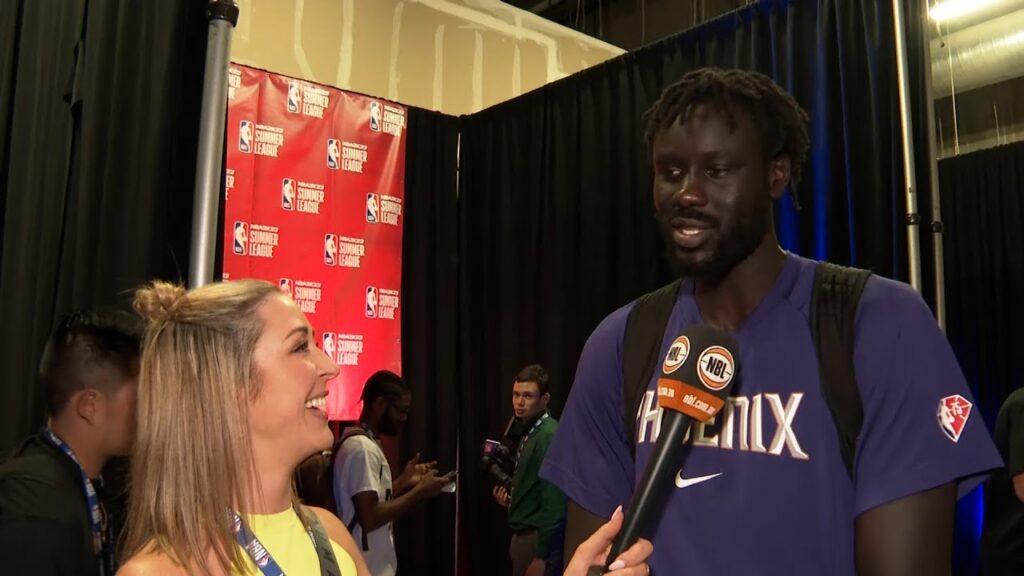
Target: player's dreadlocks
{"type": "Point", "coordinates": [780, 120]}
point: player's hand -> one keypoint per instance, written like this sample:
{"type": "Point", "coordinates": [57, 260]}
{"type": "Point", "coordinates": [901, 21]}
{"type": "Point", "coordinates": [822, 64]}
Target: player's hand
{"type": "Point", "coordinates": [501, 495]}
{"type": "Point", "coordinates": [414, 470]}
{"type": "Point", "coordinates": [594, 552]}
{"type": "Point", "coordinates": [430, 485]}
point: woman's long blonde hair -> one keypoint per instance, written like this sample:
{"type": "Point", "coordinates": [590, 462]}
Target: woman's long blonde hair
{"type": "Point", "coordinates": [192, 461]}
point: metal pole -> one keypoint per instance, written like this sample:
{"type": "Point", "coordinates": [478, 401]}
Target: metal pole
{"type": "Point", "coordinates": [909, 171]}
{"type": "Point", "coordinates": [223, 15]}
{"type": "Point", "coordinates": [933, 173]}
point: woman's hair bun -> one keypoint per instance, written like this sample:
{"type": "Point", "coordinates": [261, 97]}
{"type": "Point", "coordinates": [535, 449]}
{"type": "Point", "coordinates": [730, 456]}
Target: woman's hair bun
{"type": "Point", "coordinates": [159, 301]}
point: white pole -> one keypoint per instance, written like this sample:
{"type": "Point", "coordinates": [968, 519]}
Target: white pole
{"type": "Point", "coordinates": [907, 125]}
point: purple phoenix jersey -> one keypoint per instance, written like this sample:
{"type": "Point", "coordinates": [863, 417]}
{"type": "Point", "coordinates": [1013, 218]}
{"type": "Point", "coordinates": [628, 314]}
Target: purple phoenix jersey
{"type": "Point", "coordinates": [763, 489]}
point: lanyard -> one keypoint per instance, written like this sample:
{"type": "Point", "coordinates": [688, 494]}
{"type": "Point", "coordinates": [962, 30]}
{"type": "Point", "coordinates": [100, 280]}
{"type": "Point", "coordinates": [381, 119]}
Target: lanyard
{"type": "Point", "coordinates": [96, 516]}
{"type": "Point", "coordinates": [526, 438]}
{"type": "Point", "coordinates": [260, 555]}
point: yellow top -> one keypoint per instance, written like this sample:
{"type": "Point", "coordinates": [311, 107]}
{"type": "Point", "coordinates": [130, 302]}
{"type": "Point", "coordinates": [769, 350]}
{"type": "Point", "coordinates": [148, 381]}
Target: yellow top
{"type": "Point", "coordinates": [284, 536]}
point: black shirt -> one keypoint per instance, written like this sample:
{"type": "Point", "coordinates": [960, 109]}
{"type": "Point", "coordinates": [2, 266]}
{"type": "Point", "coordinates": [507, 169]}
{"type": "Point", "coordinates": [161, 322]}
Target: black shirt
{"type": "Point", "coordinates": [44, 519]}
{"type": "Point", "coordinates": [1002, 541]}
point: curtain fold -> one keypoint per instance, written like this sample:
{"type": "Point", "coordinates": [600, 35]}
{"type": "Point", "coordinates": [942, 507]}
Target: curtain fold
{"type": "Point", "coordinates": [98, 175]}
{"type": "Point", "coordinates": [982, 210]}
{"type": "Point", "coordinates": [982, 196]}
{"type": "Point", "coordinates": [425, 537]}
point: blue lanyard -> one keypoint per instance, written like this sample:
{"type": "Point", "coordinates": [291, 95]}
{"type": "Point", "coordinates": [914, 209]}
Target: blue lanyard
{"type": "Point", "coordinates": [260, 555]}
{"type": "Point", "coordinates": [526, 438]}
{"type": "Point", "coordinates": [96, 519]}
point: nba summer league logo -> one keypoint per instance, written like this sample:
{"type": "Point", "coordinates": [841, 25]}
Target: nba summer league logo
{"type": "Point", "coordinates": [383, 209]}
{"type": "Point", "coordinates": [240, 245]}
{"type": "Point", "coordinates": [305, 293]}
{"type": "Point", "coordinates": [294, 97]}
{"type": "Point", "coordinates": [285, 284]}
{"type": "Point", "coordinates": [300, 196]}
{"type": "Point", "coordinates": [333, 153]}
{"type": "Point", "coordinates": [245, 136]}
{"type": "Point", "coordinates": [330, 249]}
{"type": "Point", "coordinates": [386, 118]}
{"type": "Point", "coordinates": [262, 139]}
{"type": "Point", "coordinates": [372, 208]}
{"type": "Point", "coordinates": [381, 303]}
{"type": "Point", "coordinates": [371, 302]}
{"type": "Point", "coordinates": [307, 99]}
{"type": "Point", "coordinates": [343, 251]}
{"type": "Point", "coordinates": [330, 346]}
{"type": "Point", "coordinates": [288, 194]}
{"type": "Point", "coordinates": [375, 116]}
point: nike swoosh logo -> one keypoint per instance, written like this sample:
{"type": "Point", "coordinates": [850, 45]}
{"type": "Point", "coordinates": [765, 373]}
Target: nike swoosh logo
{"type": "Point", "coordinates": [686, 482]}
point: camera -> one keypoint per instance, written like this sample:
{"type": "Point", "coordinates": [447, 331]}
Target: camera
{"type": "Point", "coordinates": [497, 460]}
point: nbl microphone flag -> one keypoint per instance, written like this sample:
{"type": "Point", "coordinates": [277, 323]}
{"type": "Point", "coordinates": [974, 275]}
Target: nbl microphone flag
{"type": "Point", "coordinates": [315, 189]}
{"type": "Point", "coordinates": [697, 372]}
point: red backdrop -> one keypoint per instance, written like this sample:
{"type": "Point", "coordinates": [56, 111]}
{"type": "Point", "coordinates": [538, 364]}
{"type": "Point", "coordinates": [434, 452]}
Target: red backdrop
{"type": "Point", "coordinates": [315, 188]}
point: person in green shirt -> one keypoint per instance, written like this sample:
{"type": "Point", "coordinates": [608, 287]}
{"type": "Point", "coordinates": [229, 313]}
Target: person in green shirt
{"type": "Point", "coordinates": [536, 508]}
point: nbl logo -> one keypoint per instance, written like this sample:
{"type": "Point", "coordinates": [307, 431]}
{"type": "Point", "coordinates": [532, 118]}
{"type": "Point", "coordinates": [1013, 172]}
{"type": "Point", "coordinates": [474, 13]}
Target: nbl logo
{"type": "Point", "coordinates": [677, 354]}
{"type": "Point", "coordinates": [371, 302]}
{"type": "Point", "coordinates": [330, 346]}
{"type": "Point", "coordinates": [285, 284]}
{"type": "Point", "coordinates": [288, 194]}
{"type": "Point", "coordinates": [333, 154]}
{"type": "Point", "coordinates": [330, 250]}
{"type": "Point", "coordinates": [375, 116]}
{"type": "Point", "coordinates": [715, 367]}
{"type": "Point", "coordinates": [240, 244]}
{"type": "Point", "coordinates": [245, 136]}
{"type": "Point", "coordinates": [294, 96]}
{"type": "Point", "coordinates": [372, 208]}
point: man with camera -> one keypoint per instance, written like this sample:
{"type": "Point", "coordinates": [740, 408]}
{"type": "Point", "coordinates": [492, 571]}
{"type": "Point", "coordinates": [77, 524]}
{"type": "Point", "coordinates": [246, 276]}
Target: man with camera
{"type": "Point", "coordinates": [536, 508]}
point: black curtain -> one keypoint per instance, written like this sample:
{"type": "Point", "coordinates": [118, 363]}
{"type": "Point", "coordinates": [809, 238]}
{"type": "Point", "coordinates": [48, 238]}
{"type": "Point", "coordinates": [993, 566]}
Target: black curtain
{"type": "Point", "coordinates": [983, 210]}
{"type": "Point", "coordinates": [982, 196]}
{"type": "Point", "coordinates": [555, 211]}
{"type": "Point", "coordinates": [99, 102]}
{"type": "Point", "coordinates": [425, 537]}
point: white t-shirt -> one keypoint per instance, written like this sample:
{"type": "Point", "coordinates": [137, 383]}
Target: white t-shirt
{"type": "Point", "coordinates": [360, 466]}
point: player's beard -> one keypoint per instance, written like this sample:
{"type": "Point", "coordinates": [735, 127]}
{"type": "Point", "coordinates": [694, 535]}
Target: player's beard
{"type": "Point", "coordinates": [734, 239]}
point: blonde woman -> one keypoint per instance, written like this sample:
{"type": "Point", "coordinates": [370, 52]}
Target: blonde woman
{"type": "Point", "coordinates": [231, 401]}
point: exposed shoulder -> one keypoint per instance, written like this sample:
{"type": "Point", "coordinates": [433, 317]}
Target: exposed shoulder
{"type": "Point", "coordinates": [151, 564]}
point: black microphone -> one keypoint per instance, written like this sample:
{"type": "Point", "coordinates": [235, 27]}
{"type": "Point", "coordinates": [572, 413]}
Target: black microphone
{"type": "Point", "coordinates": [696, 377]}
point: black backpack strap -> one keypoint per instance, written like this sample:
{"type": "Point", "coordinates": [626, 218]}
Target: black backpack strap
{"type": "Point", "coordinates": [322, 542]}
{"type": "Point", "coordinates": [834, 300]}
{"type": "Point", "coordinates": [645, 330]}
{"type": "Point", "coordinates": [351, 432]}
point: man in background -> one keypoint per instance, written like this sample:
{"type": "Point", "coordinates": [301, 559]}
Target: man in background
{"type": "Point", "coordinates": [368, 500]}
{"type": "Point", "coordinates": [536, 508]}
{"type": "Point", "coordinates": [1002, 540]}
{"type": "Point", "coordinates": [53, 517]}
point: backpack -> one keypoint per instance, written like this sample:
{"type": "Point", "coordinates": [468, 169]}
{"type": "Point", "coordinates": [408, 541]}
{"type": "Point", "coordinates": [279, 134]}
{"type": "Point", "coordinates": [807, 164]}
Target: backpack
{"type": "Point", "coordinates": [314, 478]}
{"type": "Point", "coordinates": [834, 299]}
